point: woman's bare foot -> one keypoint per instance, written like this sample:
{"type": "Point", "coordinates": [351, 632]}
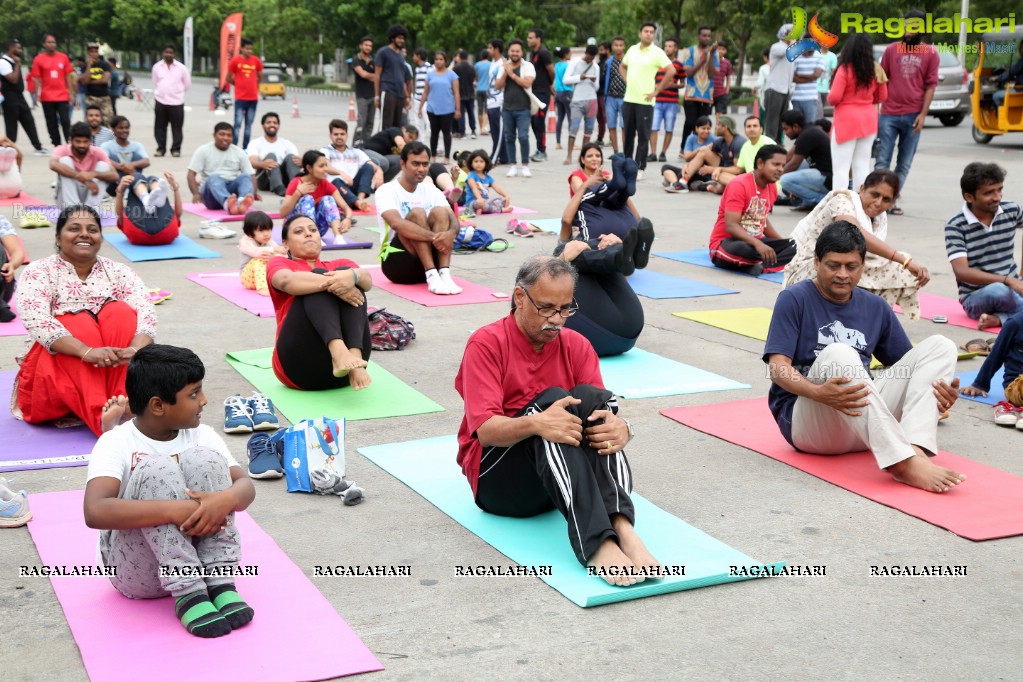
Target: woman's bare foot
{"type": "Point", "coordinates": [345, 363]}
{"type": "Point", "coordinates": [987, 320]}
{"type": "Point", "coordinates": [610, 563]}
{"type": "Point", "coordinates": [113, 412]}
{"type": "Point", "coordinates": [359, 378]}
{"type": "Point", "coordinates": [634, 548]}
{"type": "Point", "coordinates": [919, 472]}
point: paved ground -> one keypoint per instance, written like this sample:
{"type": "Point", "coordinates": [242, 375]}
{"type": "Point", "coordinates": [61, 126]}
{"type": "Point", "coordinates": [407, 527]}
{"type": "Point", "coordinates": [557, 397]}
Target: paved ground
{"type": "Point", "coordinates": [846, 625]}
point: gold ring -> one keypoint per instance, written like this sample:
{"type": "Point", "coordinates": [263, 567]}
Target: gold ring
{"type": "Point", "coordinates": [607, 445]}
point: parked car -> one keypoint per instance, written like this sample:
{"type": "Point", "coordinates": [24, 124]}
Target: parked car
{"type": "Point", "coordinates": [951, 100]}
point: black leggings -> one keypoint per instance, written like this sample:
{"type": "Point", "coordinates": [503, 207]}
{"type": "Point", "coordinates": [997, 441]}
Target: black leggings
{"type": "Point", "coordinates": [534, 476]}
{"type": "Point", "coordinates": [441, 123]}
{"type": "Point", "coordinates": [402, 267]}
{"type": "Point", "coordinates": [324, 317]}
{"type": "Point", "coordinates": [610, 315]}
{"type": "Point", "coordinates": [735, 254]}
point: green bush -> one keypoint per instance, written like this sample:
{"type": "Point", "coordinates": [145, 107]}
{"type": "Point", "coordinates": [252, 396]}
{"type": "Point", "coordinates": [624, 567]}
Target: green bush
{"type": "Point", "coordinates": [310, 81]}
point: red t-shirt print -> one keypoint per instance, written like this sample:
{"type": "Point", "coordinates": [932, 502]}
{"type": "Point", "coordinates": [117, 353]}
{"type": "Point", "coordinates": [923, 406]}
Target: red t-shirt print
{"type": "Point", "coordinates": [246, 77]}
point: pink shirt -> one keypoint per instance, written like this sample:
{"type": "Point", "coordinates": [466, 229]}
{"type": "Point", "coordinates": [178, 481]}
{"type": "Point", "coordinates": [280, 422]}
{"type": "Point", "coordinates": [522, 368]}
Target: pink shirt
{"type": "Point", "coordinates": [86, 164]}
{"type": "Point", "coordinates": [170, 82]}
{"type": "Point", "coordinates": [855, 107]}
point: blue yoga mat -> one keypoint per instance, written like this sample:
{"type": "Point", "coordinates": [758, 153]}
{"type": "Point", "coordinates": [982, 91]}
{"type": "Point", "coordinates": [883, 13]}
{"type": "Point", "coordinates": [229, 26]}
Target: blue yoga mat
{"type": "Point", "coordinates": [994, 396]}
{"type": "Point", "coordinates": [428, 467]}
{"type": "Point", "coordinates": [552, 225]}
{"type": "Point", "coordinates": [701, 257]}
{"type": "Point", "coordinates": [641, 374]}
{"type": "Point", "coordinates": [182, 247]}
{"type": "Point", "coordinates": [659, 285]}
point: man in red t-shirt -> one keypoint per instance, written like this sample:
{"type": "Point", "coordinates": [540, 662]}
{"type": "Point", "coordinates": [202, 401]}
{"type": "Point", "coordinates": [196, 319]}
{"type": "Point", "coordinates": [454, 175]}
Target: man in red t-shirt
{"type": "Point", "coordinates": [540, 431]}
{"type": "Point", "coordinates": [743, 237]}
{"type": "Point", "coordinates": [57, 85]}
{"type": "Point", "coordinates": [245, 71]}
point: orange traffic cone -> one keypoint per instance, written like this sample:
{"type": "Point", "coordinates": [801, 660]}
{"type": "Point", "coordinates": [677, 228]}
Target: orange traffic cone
{"type": "Point", "coordinates": [552, 124]}
{"type": "Point", "coordinates": [294, 107]}
{"type": "Point", "coordinates": [212, 103]}
{"type": "Point", "coordinates": [351, 108]}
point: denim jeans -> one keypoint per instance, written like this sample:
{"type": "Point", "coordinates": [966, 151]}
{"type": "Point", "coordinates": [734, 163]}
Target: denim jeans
{"type": "Point", "coordinates": [995, 299]}
{"type": "Point", "coordinates": [215, 190]}
{"type": "Point", "coordinates": [244, 108]}
{"type": "Point", "coordinates": [806, 185]}
{"type": "Point", "coordinates": [808, 107]}
{"type": "Point", "coordinates": [889, 128]}
{"type": "Point", "coordinates": [516, 124]}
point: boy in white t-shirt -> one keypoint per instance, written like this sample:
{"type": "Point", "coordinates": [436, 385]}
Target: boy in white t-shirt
{"type": "Point", "coordinates": [162, 489]}
{"type": "Point", "coordinates": [423, 225]}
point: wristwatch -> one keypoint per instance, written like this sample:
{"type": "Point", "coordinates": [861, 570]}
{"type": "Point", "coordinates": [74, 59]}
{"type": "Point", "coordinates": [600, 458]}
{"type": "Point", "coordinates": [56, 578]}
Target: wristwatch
{"type": "Point", "coordinates": [632, 432]}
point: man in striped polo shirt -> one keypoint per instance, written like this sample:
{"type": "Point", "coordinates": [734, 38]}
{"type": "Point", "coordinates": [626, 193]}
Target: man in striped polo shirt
{"type": "Point", "coordinates": [979, 242]}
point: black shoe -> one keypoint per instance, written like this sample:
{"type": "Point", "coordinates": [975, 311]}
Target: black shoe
{"type": "Point", "coordinates": [629, 252]}
{"type": "Point", "coordinates": [651, 157]}
{"type": "Point", "coordinates": [6, 314]}
{"type": "Point", "coordinates": [644, 243]}
{"type": "Point", "coordinates": [662, 158]}
{"type": "Point", "coordinates": [782, 201]}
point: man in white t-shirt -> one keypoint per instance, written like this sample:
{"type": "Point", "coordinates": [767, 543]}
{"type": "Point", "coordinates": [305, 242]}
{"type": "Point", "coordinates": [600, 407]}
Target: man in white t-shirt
{"type": "Point", "coordinates": [163, 489]}
{"type": "Point", "coordinates": [495, 100]}
{"type": "Point", "coordinates": [225, 173]}
{"type": "Point", "coordinates": [275, 159]}
{"type": "Point", "coordinates": [351, 170]}
{"type": "Point", "coordinates": [423, 225]}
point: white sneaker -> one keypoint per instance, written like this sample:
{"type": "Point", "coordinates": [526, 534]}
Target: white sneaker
{"type": "Point", "coordinates": [449, 282]}
{"type": "Point", "coordinates": [526, 173]}
{"type": "Point", "coordinates": [512, 172]}
{"type": "Point", "coordinates": [436, 285]}
{"type": "Point", "coordinates": [214, 230]}
{"type": "Point", "coordinates": [42, 151]}
{"type": "Point", "coordinates": [640, 174]}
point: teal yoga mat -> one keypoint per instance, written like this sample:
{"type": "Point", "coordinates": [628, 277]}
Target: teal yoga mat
{"type": "Point", "coordinates": [641, 374]}
{"type": "Point", "coordinates": [652, 284]}
{"type": "Point", "coordinates": [387, 396]}
{"type": "Point", "coordinates": [994, 396]}
{"type": "Point", "coordinates": [701, 257]}
{"type": "Point", "coordinates": [182, 247]}
{"type": "Point", "coordinates": [428, 467]}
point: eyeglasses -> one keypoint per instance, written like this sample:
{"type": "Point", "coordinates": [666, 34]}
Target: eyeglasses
{"type": "Point", "coordinates": [548, 313]}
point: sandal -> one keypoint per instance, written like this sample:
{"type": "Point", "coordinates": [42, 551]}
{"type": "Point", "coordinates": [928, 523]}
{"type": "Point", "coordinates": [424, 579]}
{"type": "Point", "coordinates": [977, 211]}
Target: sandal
{"type": "Point", "coordinates": [895, 210]}
{"type": "Point", "coordinates": [978, 346]}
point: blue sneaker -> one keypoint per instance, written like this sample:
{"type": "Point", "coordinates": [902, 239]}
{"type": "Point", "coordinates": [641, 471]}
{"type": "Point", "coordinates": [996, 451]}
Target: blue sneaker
{"type": "Point", "coordinates": [14, 510]}
{"type": "Point", "coordinates": [263, 459]}
{"type": "Point", "coordinates": [237, 415]}
{"type": "Point", "coordinates": [262, 410]}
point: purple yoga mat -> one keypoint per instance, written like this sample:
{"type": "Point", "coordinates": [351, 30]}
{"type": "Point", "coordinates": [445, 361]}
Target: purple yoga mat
{"type": "Point", "coordinates": [228, 285]}
{"type": "Point", "coordinates": [42, 446]}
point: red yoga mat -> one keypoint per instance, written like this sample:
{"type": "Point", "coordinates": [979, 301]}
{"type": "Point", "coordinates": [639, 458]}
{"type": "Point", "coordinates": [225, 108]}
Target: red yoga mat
{"type": "Point", "coordinates": [984, 507]}
{"type": "Point", "coordinates": [296, 634]}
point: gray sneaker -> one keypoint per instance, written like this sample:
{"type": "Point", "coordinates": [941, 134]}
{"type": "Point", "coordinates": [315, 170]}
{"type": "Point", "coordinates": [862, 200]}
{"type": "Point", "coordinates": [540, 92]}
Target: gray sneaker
{"type": "Point", "coordinates": [538, 156]}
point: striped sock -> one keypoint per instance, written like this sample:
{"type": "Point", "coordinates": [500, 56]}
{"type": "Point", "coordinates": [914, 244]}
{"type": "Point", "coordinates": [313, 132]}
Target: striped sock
{"type": "Point", "coordinates": [199, 616]}
{"type": "Point", "coordinates": [230, 605]}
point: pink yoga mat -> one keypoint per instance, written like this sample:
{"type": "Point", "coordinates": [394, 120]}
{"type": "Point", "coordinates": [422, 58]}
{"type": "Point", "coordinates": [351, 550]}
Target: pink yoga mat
{"type": "Point", "coordinates": [418, 293]}
{"type": "Point", "coordinates": [984, 507]}
{"type": "Point", "coordinates": [229, 285]}
{"type": "Point", "coordinates": [296, 634]}
{"type": "Point", "coordinates": [14, 327]}
{"type": "Point", "coordinates": [23, 200]}
{"type": "Point", "coordinates": [516, 210]}
{"type": "Point", "coordinates": [931, 305]}
{"type": "Point", "coordinates": [38, 446]}
{"type": "Point", "coordinates": [221, 215]}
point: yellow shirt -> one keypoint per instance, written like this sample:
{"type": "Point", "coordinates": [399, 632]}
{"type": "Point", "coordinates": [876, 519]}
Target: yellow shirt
{"type": "Point", "coordinates": [642, 65]}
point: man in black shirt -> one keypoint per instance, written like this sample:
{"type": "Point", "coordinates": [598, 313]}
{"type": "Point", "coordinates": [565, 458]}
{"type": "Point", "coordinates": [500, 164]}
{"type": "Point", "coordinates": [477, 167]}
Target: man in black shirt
{"type": "Point", "coordinates": [466, 92]}
{"type": "Point", "coordinates": [95, 77]}
{"type": "Point", "coordinates": [604, 53]}
{"type": "Point", "coordinates": [805, 186]}
{"type": "Point", "coordinates": [12, 87]}
{"type": "Point", "coordinates": [384, 148]}
{"type": "Point", "coordinates": [544, 65]}
{"type": "Point", "coordinates": [365, 89]}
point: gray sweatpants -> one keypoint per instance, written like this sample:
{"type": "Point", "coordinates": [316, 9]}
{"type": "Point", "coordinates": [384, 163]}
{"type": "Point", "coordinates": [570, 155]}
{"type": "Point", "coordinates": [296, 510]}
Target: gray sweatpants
{"type": "Point", "coordinates": [140, 553]}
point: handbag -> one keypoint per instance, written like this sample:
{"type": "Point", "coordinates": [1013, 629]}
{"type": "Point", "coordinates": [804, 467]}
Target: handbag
{"type": "Point", "coordinates": [389, 331]}
{"type": "Point", "coordinates": [309, 445]}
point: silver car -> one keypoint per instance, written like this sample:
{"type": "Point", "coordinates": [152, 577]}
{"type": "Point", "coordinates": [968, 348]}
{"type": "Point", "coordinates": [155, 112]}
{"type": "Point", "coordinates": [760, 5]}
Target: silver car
{"type": "Point", "coordinates": [951, 100]}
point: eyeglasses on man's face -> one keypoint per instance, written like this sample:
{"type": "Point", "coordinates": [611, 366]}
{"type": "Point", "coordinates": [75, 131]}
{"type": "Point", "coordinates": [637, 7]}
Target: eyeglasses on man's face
{"type": "Point", "coordinates": [547, 313]}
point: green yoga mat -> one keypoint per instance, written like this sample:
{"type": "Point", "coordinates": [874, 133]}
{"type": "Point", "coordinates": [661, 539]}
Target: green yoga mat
{"type": "Point", "coordinates": [387, 396]}
{"type": "Point", "coordinates": [641, 374]}
{"type": "Point", "coordinates": [428, 467]}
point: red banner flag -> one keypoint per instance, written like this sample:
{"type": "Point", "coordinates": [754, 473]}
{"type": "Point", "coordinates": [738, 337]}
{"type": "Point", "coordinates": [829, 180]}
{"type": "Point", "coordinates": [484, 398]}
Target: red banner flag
{"type": "Point", "coordinates": [230, 38]}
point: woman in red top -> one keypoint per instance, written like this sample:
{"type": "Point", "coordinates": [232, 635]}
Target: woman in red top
{"type": "Point", "coordinates": [313, 196]}
{"type": "Point", "coordinates": [857, 89]}
{"type": "Point", "coordinates": [323, 338]}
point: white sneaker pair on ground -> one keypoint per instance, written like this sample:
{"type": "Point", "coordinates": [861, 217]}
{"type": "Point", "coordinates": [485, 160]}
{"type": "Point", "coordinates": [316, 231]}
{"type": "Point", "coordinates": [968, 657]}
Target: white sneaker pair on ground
{"type": "Point", "coordinates": [516, 171]}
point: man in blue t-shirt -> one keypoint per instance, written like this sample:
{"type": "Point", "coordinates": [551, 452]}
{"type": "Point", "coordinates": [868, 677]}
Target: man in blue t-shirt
{"type": "Point", "coordinates": [823, 333]}
{"type": "Point", "coordinates": [392, 94]}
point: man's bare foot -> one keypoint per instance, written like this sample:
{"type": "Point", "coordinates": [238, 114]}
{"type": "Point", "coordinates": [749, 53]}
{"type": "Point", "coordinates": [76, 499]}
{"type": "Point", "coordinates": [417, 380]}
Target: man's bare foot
{"type": "Point", "coordinates": [359, 378]}
{"type": "Point", "coordinates": [636, 550]}
{"type": "Point", "coordinates": [232, 204]}
{"type": "Point", "coordinates": [611, 564]}
{"type": "Point", "coordinates": [113, 411]}
{"type": "Point", "coordinates": [919, 472]}
{"type": "Point", "coordinates": [245, 204]}
{"type": "Point", "coordinates": [987, 320]}
{"type": "Point", "coordinates": [346, 363]}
